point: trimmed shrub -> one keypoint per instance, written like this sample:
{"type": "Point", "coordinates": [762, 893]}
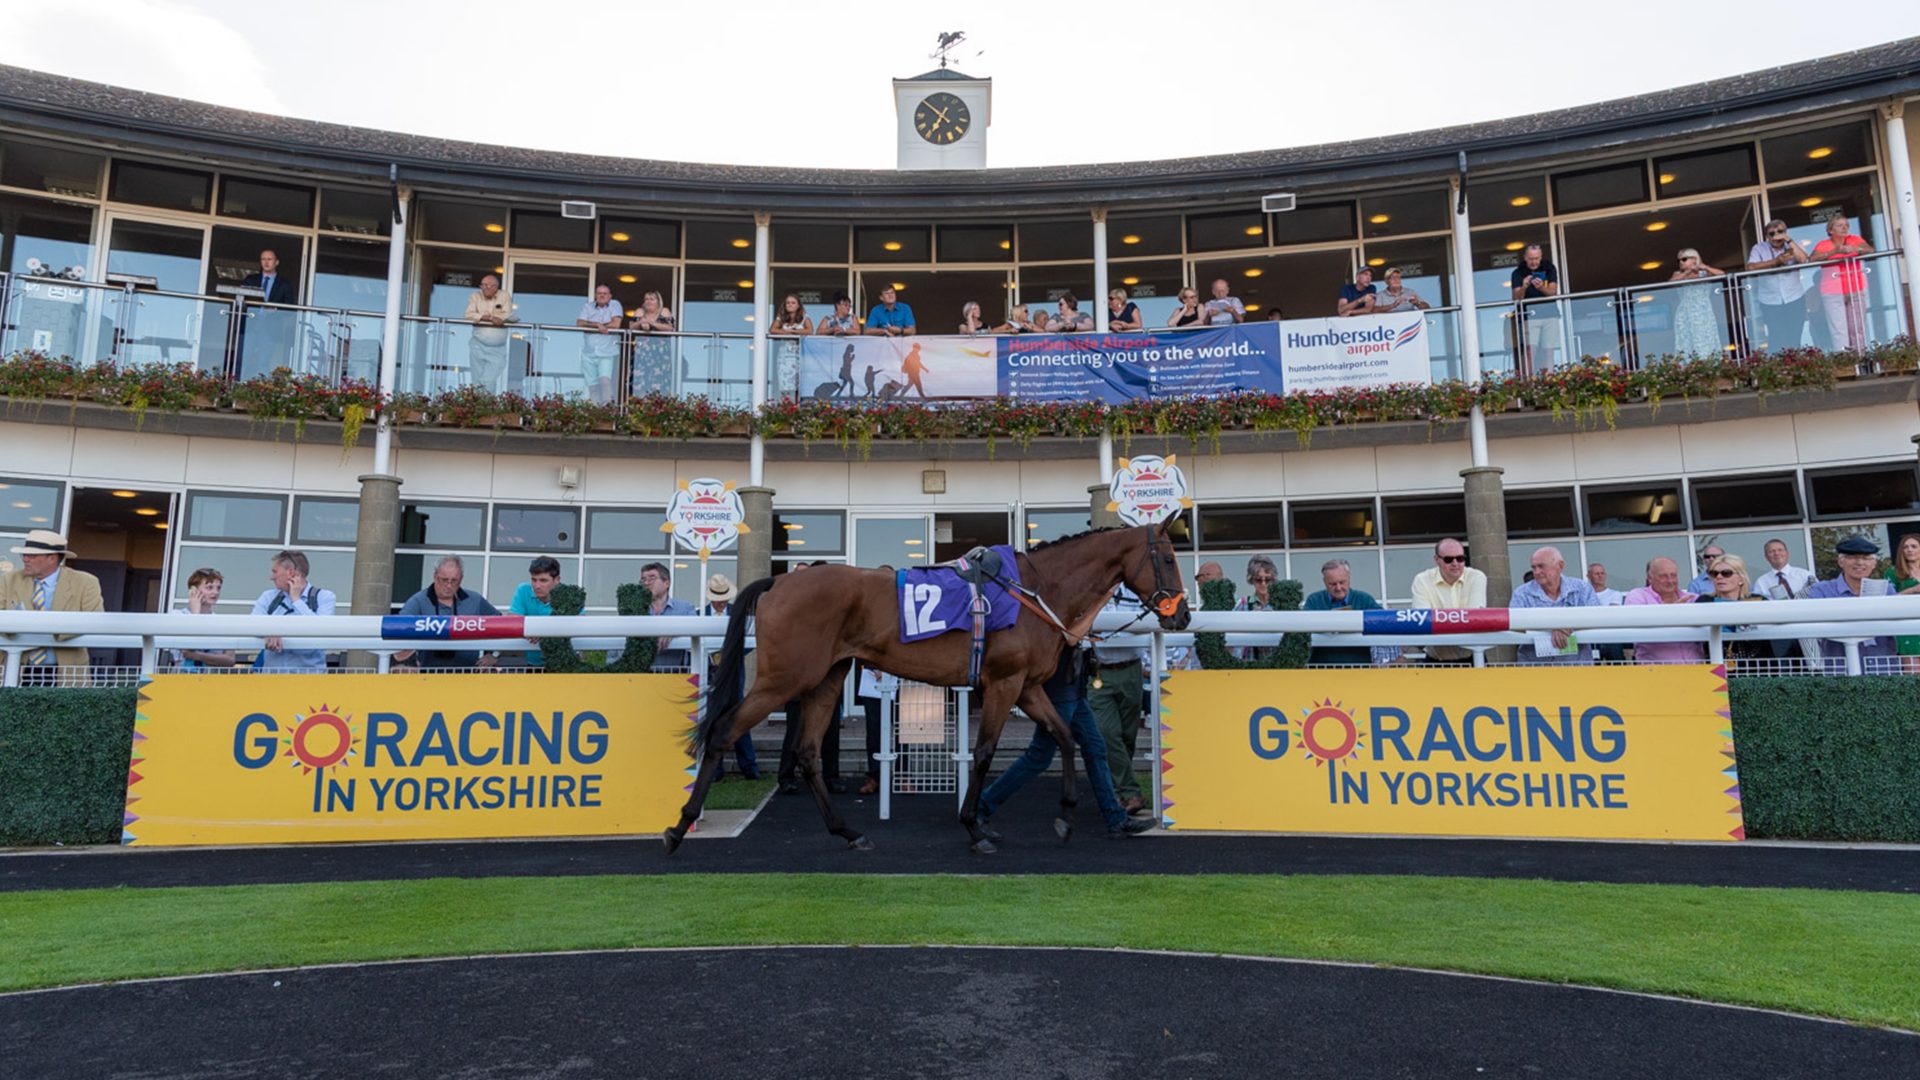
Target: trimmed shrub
{"type": "Point", "coordinates": [1829, 757]}
{"type": "Point", "coordinates": [63, 764]}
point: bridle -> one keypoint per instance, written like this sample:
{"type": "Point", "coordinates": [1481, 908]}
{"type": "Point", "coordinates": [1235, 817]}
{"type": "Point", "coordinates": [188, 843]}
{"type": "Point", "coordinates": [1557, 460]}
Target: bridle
{"type": "Point", "coordinates": [1165, 600]}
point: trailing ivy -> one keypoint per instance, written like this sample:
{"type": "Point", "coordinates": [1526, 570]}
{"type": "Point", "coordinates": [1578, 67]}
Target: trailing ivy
{"type": "Point", "coordinates": [1214, 654]}
{"type": "Point", "coordinates": [561, 657]}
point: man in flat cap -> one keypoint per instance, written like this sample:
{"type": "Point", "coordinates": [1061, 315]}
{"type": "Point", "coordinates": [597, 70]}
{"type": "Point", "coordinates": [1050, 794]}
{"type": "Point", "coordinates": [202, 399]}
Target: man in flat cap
{"type": "Point", "coordinates": [1858, 556]}
{"type": "Point", "coordinates": [45, 583]}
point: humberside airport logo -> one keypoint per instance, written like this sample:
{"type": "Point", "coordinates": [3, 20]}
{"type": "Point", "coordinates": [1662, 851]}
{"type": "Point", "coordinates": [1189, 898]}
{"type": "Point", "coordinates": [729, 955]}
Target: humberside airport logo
{"type": "Point", "coordinates": [1374, 339]}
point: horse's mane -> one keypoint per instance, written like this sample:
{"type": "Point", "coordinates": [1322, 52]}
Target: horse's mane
{"type": "Point", "coordinates": [1078, 536]}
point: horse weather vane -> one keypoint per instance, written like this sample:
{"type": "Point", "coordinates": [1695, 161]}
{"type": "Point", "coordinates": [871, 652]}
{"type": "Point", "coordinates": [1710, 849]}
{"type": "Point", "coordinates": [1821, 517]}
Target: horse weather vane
{"type": "Point", "coordinates": [949, 41]}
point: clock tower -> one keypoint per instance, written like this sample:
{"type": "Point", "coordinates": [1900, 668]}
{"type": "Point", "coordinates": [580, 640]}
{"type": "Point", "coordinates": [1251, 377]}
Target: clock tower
{"type": "Point", "coordinates": [942, 120]}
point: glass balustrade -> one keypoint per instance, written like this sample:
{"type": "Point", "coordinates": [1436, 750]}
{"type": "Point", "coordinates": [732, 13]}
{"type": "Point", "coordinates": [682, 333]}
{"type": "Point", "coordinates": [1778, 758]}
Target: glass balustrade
{"type": "Point", "coordinates": [1443, 344]}
{"type": "Point", "coordinates": [173, 328]}
{"type": "Point", "coordinates": [75, 319]}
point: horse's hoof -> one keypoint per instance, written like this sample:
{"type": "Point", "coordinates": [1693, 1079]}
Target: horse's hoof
{"type": "Point", "coordinates": [983, 846]}
{"type": "Point", "coordinates": [671, 838]}
{"type": "Point", "coordinates": [859, 843]}
{"type": "Point", "coordinates": [1063, 828]}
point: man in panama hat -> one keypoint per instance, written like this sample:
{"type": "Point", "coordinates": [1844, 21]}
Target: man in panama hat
{"type": "Point", "coordinates": [721, 592]}
{"type": "Point", "coordinates": [46, 583]}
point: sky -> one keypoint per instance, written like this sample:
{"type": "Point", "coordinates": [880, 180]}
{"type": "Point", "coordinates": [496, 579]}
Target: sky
{"type": "Point", "coordinates": [747, 82]}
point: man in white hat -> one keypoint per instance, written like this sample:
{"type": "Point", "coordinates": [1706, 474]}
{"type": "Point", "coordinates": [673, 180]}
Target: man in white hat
{"type": "Point", "coordinates": [720, 595]}
{"type": "Point", "coordinates": [46, 583]}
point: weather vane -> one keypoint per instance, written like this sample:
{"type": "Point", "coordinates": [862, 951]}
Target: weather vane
{"type": "Point", "coordinates": [949, 41]}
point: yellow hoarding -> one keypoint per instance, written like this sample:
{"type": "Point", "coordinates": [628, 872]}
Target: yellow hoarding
{"type": "Point", "coordinates": [225, 759]}
{"type": "Point", "coordinates": [1617, 752]}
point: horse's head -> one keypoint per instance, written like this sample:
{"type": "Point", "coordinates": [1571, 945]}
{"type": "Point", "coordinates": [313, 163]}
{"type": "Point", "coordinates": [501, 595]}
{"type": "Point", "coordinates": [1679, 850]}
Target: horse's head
{"type": "Point", "coordinates": [1154, 576]}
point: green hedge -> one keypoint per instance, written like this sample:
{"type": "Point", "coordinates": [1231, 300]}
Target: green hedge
{"type": "Point", "coordinates": [1829, 757]}
{"type": "Point", "coordinates": [1820, 758]}
{"type": "Point", "coordinates": [63, 764]}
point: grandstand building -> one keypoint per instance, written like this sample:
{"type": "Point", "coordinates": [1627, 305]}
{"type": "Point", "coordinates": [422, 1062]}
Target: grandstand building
{"type": "Point", "coordinates": [131, 226]}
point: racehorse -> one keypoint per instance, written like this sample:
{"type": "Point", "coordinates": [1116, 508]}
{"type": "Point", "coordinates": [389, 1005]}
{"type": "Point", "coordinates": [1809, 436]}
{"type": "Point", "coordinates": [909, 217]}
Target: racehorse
{"type": "Point", "coordinates": [812, 627]}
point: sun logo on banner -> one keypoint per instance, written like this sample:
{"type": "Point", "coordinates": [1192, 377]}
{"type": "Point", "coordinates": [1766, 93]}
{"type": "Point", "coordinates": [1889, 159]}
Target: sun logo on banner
{"type": "Point", "coordinates": [320, 740]}
{"type": "Point", "coordinates": [1327, 732]}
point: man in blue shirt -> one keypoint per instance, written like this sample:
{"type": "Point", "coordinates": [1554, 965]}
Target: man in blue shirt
{"type": "Point", "coordinates": [1357, 298]}
{"type": "Point", "coordinates": [1702, 585]}
{"type": "Point", "coordinates": [1551, 587]}
{"type": "Point", "coordinates": [531, 597]}
{"type": "Point", "coordinates": [1536, 279]}
{"type": "Point", "coordinates": [1857, 556]}
{"type": "Point", "coordinates": [445, 597]}
{"type": "Point", "coordinates": [292, 594]}
{"type": "Point", "coordinates": [890, 318]}
{"type": "Point", "coordinates": [1340, 595]}
{"type": "Point", "coordinates": [659, 582]}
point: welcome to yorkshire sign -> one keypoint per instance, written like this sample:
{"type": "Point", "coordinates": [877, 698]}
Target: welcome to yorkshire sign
{"type": "Point", "coordinates": [304, 759]}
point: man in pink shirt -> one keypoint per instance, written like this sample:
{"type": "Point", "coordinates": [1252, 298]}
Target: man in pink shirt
{"type": "Point", "coordinates": [1663, 587]}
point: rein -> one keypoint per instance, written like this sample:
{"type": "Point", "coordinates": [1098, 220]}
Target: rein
{"type": "Point", "coordinates": [1164, 601]}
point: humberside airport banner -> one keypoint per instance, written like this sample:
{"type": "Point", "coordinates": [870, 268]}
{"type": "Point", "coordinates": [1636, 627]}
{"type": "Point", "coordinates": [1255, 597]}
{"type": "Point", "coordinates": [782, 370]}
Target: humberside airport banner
{"type": "Point", "coordinates": [1270, 357]}
{"type": "Point", "coordinates": [297, 759]}
{"type": "Point", "coordinates": [1642, 753]}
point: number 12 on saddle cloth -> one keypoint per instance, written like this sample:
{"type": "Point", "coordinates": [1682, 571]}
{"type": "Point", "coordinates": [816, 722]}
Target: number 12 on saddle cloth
{"type": "Point", "coordinates": [936, 599]}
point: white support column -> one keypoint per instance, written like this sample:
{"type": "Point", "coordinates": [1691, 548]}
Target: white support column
{"type": "Point", "coordinates": [1469, 317]}
{"type": "Point", "coordinates": [1899, 157]}
{"type": "Point", "coordinates": [762, 253]}
{"type": "Point", "coordinates": [1100, 316]}
{"type": "Point", "coordinates": [390, 331]}
{"type": "Point", "coordinates": [1100, 279]}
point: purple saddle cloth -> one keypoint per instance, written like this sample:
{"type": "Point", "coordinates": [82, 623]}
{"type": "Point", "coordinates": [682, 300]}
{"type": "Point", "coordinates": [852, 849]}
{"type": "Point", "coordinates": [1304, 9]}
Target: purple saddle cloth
{"type": "Point", "coordinates": [935, 600]}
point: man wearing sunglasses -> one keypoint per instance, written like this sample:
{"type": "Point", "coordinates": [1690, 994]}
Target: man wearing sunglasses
{"type": "Point", "coordinates": [1450, 585]}
{"type": "Point", "coordinates": [1782, 295]}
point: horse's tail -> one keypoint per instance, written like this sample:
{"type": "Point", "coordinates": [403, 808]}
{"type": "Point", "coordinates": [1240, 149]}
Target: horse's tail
{"type": "Point", "coordinates": [726, 688]}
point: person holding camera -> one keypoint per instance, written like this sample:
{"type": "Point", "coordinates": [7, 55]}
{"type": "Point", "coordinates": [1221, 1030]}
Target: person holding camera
{"type": "Point", "coordinates": [1539, 324]}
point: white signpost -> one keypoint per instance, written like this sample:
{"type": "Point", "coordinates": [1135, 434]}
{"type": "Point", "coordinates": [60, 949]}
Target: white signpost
{"type": "Point", "coordinates": [1147, 490]}
{"type": "Point", "coordinates": [705, 516]}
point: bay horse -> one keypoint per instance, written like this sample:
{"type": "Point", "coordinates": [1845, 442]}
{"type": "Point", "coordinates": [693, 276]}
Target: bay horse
{"type": "Point", "coordinates": [811, 628]}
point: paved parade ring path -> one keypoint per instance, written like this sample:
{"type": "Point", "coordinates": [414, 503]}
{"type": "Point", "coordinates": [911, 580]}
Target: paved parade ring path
{"type": "Point", "coordinates": [936, 1012]}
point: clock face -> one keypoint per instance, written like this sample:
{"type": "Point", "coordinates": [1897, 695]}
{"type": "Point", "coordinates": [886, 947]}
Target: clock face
{"type": "Point", "coordinates": [942, 118]}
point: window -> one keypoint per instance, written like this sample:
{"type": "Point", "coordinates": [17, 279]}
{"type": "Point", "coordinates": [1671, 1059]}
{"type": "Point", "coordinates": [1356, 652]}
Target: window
{"type": "Point", "coordinates": [551, 232]}
{"type": "Point", "coordinates": [626, 531]}
{"type": "Point", "coordinates": [1045, 525]}
{"type": "Point", "coordinates": [461, 223]}
{"type": "Point", "coordinates": [1056, 241]}
{"type": "Point", "coordinates": [1745, 500]}
{"type": "Point", "coordinates": [729, 240]}
{"type": "Point", "coordinates": [1303, 284]}
{"type": "Point", "coordinates": [1043, 286]}
{"type": "Point", "coordinates": [356, 210]}
{"type": "Point", "coordinates": [351, 275]}
{"type": "Point", "coordinates": [223, 516]}
{"type": "Point", "coordinates": [811, 534]}
{"type": "Point", "coordinates": [1592, 189]}
{"type": "Point", "coordinates": [809, 243]}
{"type": "Point", "coordinates": [1704, 170]}
{"type": "Point", "coordinates": [1224, 232]}
{"type": "Point", "coordinates": [1540, 513]}
{"type": "Point", "coordinates": [1314, 224]}
{"type": "Point", "coordinates": [1887, 489]}
{"type": "Point", "coordinates": [325, 521]}
{"type": "Point", "coordinates": [1424, 264]}
{"type": "Point", "coordinates": [1497, 202]}
{"type": "Point", "coordinates": [976, 243]}
{"type": "Point", "coordinates": [1332, 523]}
{"type": "Point", "coordinates": [1426, 519]}
{"type": "Point", "coordinates": [639, 236]}
{"type": "Point", "coordinates": [1411, 212]}
{"type": "Point", "coordinates": [29, 504]}
{"type": "Point", "coordinates": [56, 235]}
{"type": "Point", "coordinates": [536, 528]}
{"type": "Point", "coordinates": [1641, 508]}
{"type": "Point", "coordinates": [1815, 153]}
{"type": "Point", "coordinates": [261, 200]}
{"type": "Point", "coordinates": [158, 185]}
{"type": "Point", "coordinates": [50, 168]}
{"type": "Point", "coordinates": [892, 243]}
{"type": "Point", "coordinates": [1129, 236]}
{"type": "Point", "coordinates": [815, 286]}
{"type": "Point", "coordinates": [1254, 525]}
{"type": "Point", "coordinates": [461, 526]}
{"type": "Point", "coordinates": [1152, 285]}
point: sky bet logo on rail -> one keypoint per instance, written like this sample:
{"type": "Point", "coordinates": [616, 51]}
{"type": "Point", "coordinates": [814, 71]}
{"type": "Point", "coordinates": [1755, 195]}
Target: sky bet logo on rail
{"type": "Point", "coordinates": [1550, 752]}
{"type": "Point", "coordinates": [406, 757]}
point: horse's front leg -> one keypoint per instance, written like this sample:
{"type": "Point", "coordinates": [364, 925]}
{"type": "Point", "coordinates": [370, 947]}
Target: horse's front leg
{"type": "Point", "coordinates": [818, 709]}
{"type": "Point", "coordinates": [752, 710]}
{"type": "Point", "coordinates": [1037, 705]}
{"type": "Point", "coordinates": [995, 700]}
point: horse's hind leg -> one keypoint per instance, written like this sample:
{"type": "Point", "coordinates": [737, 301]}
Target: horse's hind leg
{"type": "Point", "coordinates": [1036, 705]}
{"type": "Point", "coordinates": [752, 710]}
{"type": "Point", "coordinates": [995, 700]}
{"type": "Point", "coordinates": [817, 710]}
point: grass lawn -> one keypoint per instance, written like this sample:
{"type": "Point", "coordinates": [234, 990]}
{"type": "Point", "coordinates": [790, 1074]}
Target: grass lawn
{"type": "Point", "coordinates": [1842, 954]}
{"type": "Point", "coordinates": [733, 793]}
